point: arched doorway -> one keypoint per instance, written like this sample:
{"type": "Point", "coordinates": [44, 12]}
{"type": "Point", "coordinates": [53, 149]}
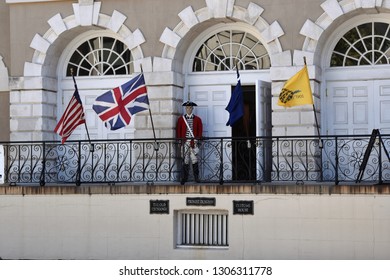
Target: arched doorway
{"type": "Point", "coordinates": [357, 78]}
{"type": "Point", "coordinates": [99, 61]}
{"type": "Point", "coordinates": [210, 76]}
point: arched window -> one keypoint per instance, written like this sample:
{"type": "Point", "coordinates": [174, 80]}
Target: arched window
{"type": "Point", "coordinates": [101, 56]}
{"type": "Point", "coordinates": [366, 44]}
{"type": "Point", "coordinates": [223, 50]}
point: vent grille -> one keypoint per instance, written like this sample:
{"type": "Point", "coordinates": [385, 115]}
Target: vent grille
{"type": "Point", "coordinates": [203, 229]}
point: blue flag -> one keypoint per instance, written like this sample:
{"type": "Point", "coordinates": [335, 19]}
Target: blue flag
{"type": "Point", "coordinates": [236, 103]}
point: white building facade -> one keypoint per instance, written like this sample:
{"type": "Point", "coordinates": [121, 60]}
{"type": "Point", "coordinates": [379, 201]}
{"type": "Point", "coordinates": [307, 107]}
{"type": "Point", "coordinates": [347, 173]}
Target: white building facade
{"type": "Point", "coordinates": [344, 45]}
{"type": "Point", "coordinates": [190, 50]}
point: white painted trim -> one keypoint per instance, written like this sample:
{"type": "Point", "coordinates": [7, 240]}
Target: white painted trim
{"type": "Point", "coordinates": [227, 78]}
{"type": "Point", "coordinates": [76, 42]}
{"type": "Point", "coordinates": [344, 28]}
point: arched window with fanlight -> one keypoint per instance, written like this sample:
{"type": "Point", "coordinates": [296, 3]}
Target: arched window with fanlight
{"type": "Point", "coordinates": [358, 79]}
{"type": "Point", "coordinates": [100, 62]}
{"type": "Point", "coordinates": [101, 56]}
{"type": "Point", "coordinates": [365, 44]}
{"type": "Point", "coordinates": [224, 50]}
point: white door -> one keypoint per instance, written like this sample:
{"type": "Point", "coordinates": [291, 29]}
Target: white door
{"type": "Point", "coordinates": [382, 109]}
{"type": "Point", "coordinates": [263, 108]}
{"type": "Point", "coordinates": [212, 101]}
{"type": "Point", "coordinates": [350, 107]}
{"type": "Point", "coordinates": [357, 107]}
{"type": "Point", "coordinates": [264, 128]}
{"type": "Point", "coordinates": [88, 91]}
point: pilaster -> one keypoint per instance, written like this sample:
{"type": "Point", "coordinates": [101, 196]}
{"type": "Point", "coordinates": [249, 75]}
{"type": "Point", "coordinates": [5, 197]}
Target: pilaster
{"type": "Point", "coordinates": [32, 109]}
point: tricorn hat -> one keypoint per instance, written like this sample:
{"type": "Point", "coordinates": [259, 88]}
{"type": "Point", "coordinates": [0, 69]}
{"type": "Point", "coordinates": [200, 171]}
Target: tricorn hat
{"type": "Point", "coordinates": [189, 103]}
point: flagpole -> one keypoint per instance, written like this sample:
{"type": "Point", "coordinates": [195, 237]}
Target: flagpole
{"type": "Point", "coordinates": [85, 123]}
{"type": "Point", "coordinates": [315, 116]}
{"type": "Point", "coordinates": [151, 120]}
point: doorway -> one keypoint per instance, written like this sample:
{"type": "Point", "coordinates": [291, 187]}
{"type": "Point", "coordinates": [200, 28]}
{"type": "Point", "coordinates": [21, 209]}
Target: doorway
{"type": "Point", "coordinates": [244, 138]}
{"type": "Point", "coordinates": [243, 160]}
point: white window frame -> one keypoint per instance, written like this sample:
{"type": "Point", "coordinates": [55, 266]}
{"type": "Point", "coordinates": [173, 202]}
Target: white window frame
{"type": "Point", "coordinates": [229, 53]}
{"type": "Point", "coordinates": [202, 37]}
{"type": "Point", "coordinates": [340, 31]}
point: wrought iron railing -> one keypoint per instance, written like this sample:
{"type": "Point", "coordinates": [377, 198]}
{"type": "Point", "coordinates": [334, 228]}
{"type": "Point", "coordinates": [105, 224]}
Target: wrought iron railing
{"type": "Point", "coordinates": [221, 160]}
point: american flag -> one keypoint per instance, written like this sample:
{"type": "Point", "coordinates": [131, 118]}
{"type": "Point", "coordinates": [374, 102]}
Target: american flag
{"type": "Point", "coordinates": [116, 107]}
{"type": "Point", "coordinates": [72, 117]}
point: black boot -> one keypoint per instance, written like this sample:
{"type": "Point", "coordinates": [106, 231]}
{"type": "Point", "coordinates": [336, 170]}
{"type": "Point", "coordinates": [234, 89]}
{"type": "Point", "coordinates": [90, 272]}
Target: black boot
{"type": "Point", "coordinates": [195, 169]}
{"type": "Point", "coordinates": [186, 168]}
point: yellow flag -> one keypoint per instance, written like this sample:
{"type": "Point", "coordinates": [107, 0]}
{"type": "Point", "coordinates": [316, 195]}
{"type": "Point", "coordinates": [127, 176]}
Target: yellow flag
{"type": "Point", "coordinates": [296, 91]}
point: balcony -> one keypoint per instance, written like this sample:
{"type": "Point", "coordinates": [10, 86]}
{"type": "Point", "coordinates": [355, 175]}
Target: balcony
{"type": "Point", "coordinates": [333, 159]}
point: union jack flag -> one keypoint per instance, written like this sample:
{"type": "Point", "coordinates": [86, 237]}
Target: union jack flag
{"type": "Point", "coordinates": [116, 107]}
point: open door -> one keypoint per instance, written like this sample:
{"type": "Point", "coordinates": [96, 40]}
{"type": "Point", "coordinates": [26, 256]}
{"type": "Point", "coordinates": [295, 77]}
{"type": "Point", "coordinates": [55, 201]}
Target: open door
{"type": "Point", "coordinates": [245, 159]}
{"type": "Point", "coordinates": [264, 130]}
{"type": "Point", "coordinates": [252, 157]}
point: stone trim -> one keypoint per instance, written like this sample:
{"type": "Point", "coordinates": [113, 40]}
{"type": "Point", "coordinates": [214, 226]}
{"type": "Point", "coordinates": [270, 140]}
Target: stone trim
{"type": "Point", "coordinates": [86, 13]}
{"type": "Point", "coordinates": [222, 9]}
{"type": "Point", "coordinates": [334, 9]}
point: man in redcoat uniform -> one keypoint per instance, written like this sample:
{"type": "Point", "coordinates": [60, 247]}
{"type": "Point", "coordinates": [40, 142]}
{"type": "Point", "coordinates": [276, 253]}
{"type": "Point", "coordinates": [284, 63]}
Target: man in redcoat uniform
{"type": "Point", "coordinates": [189, 131]}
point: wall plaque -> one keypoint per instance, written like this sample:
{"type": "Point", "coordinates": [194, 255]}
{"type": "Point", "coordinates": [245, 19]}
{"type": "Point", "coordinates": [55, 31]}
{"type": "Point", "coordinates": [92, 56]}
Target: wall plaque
{"type": "Point", "coordinates": [200, 201]}
{"type": "Point", "coordinates": [159, 206]}
{"type": "Point", "coordinates": [242, 207]}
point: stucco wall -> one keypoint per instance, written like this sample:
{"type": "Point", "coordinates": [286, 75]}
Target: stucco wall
{"type": "Point", "coordinates": [120, 227]}
{"type": "Point", "coordinates": [27, 20]}
{"type": "Point", "coordinates": [4, 71]}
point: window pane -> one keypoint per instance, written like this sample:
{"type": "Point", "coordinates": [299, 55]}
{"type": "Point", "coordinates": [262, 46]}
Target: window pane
{"type": "Point", "coordinates": [342, 46]}
{"type": "Point", "coordinates": [365, 30]}
{"type": "Point", "coordinates": [336, 60]}
{"type": "Point", "coordinates": [352, 36]}
{"type": "Point", "coordinates": [350, 62]}
{"type": "Point", "coordinates": [353, 53]}
{"type": "Point", "coordinates": [381, 28]}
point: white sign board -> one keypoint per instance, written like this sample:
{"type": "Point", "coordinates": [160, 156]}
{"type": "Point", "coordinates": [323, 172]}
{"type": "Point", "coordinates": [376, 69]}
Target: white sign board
{"type": "Point", "coordinates": [2, 175]}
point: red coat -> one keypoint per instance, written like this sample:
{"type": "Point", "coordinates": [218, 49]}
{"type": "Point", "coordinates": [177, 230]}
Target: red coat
{"type": "Point", "coordinates": [181, 128]}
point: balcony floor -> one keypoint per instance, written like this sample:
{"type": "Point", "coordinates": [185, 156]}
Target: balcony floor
{"type": "Point", "coordinates": [201, 188]}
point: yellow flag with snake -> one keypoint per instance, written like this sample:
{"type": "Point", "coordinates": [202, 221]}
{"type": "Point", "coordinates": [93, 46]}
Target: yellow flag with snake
{"type": "Point", "coordinates": [296, 91]}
